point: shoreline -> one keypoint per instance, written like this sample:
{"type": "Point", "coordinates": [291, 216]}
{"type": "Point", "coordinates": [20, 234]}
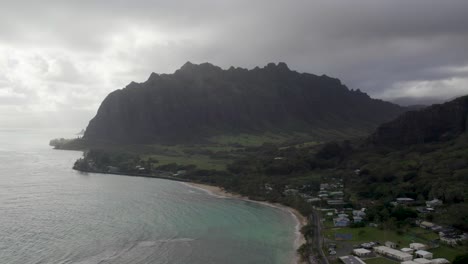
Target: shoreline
{"type": "Point", "coordinates": [298, 217]}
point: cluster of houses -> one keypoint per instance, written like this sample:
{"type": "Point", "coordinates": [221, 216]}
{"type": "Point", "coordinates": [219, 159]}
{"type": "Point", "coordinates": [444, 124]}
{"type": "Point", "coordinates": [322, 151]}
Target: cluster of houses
{"type": "Point", "coordinates": [343, 219]}
{"type": "Point", "coordinates": [416, 253]}
{"type": "Point", "coordinates": [447, 235]}
{"type": "Point", "coordinates": [332, 193]}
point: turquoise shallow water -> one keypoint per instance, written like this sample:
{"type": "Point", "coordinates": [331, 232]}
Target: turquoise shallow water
{"type": "Point", "coordinates": [52, 214]}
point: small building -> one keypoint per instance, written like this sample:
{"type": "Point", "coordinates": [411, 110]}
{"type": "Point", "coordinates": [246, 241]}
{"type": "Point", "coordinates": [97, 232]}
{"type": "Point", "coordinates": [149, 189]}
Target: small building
{"type": "Point", "coordinates": [341, 222]}
{"type": "Point", "coordinates": [408, 262]}
{"type": "Point", "coordinates": [422, 261]}
{"type": "Point", "coordinates": [362, 252]}
{"type": "Point", "coordinates": [336, 202]}
{"type": "Point", "coordinates": [440, 261]}
{"type": "Point", "coordinates": [433, 203]}
{"type": "Point", "coordinates": [423, 254]}
{"type": "Point", "coordinates": [357, 219]}
{"type": "Point", "coordinates": [407, 250]}
{"type": "Point", "coordinates": [368, 245]}
{"type": "Point", "coordinates": [404, 200]}
{"type": "Point", "coordinates": [359, 213]}
{"type": "Point", "coordinates": [451, 240]}
{"type": "Point", "coordinates": [426, 225]}
{"type": "Point", "coordinates": [351, 260]}
{"type": "Point", "coordinates": [391, 244]}
{"type": "Point", "coordinates": [417, 246]}
{"type": "Point", "coordinates": [393, 253]}
{"type": "Point", "coordinates": [314, 200]}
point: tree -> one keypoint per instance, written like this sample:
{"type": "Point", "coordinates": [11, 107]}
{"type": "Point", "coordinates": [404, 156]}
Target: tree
{"type": "Point", "coordinates": [461, 259]}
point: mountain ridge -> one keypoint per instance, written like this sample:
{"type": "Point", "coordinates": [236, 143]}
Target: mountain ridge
{"type": "Point", "coordinates": [438, 122]}
{"type": "Point", "coordinates": [203, 100]}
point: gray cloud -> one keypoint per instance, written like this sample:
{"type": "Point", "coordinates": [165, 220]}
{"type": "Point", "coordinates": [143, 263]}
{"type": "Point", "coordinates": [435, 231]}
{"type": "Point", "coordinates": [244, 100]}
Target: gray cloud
{"type": "Point", "coordinates": [63, 57]}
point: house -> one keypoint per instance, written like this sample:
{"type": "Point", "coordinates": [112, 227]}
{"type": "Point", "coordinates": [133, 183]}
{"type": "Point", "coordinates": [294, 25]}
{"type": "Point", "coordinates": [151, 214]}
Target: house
{"type": "Point", "coordinates": [422, 261]}
{"type": "Point", "coordinates": [362, 252]}
{"type": "Point", "coordinates": [359, 213]}
{"type": "Point", "coordinates": [452, 240]}
{"type": "Point", "coordinates": [433, 203]}
{"type": "Point", "coordinates": [426, 225]}
{"type": "Point", "coordinates": [440, 261]}
{"type": "Point", "coordinates": [393, 253]}
{"type": "Point", "coordinates": [423, 254]}
{"type": "Point", "coordinates": [351, 260]}
{"type": "Point", "coordinates": [314, 200]}
{"type": "Point", "coordinates": [369, 245]}
{"type": "Point", "coordinates": [391, 244]}
{"type": "Point", "coordinates": [437, 228]}
{"type": "Point", "coordinates": [404, 200]}
{"type": "Point", "coordinates": [417, 246]}
{"type": "Point", "coordinates": [357, 219]}
{"type": "Point", "coordinates": [407, 250]}
{"type": "Point", "coordinates": [338, 193]}
{"type": "Point", "coordinates": [335, 202]}
{"type": "Point", "coordinates": [341, 222]}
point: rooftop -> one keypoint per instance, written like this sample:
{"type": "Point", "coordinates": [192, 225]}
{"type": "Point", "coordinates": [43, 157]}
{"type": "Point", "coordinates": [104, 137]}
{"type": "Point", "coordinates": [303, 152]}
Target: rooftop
{"type": "Point", "coordinates": [393, 252]}
{"type": "Point", "coordinates": [362, 251]}
{"type": "Point", "coordinates": [422, 261]}
{"type": "Point", "coordinates": [351, 260]}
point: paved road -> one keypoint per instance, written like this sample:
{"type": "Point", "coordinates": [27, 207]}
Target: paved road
{"type": "Point", "coordinates": [317, 241]}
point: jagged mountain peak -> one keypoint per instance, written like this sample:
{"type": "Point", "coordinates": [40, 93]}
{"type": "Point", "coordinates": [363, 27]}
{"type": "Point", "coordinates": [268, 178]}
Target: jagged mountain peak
{"type": "Point", "coordinates": [202, 100]}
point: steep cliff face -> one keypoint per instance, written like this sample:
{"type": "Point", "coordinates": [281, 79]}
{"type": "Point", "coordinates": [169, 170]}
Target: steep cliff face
{"type": "Point", "coordinates": [198, 101]}
{"type": "Point", "coordinates": [435, 123]}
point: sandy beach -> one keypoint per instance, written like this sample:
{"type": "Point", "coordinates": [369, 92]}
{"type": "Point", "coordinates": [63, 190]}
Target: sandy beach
{"type": "Point", "coordinates": [300, 219]}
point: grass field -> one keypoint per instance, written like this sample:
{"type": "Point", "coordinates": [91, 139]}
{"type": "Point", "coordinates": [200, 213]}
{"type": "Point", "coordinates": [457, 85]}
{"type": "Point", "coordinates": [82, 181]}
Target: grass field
{"type": "Point", "coordinates": [367, 234]}
{"type": "Point", "coordinates": [202, 162]}
{"type": "Point", "coordinates": [448, 252]}
{"type": "Point", "coordinates": [380, 260]}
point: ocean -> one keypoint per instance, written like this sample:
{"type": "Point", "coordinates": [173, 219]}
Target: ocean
{"type": "Point", "coordinates": [50, 213]}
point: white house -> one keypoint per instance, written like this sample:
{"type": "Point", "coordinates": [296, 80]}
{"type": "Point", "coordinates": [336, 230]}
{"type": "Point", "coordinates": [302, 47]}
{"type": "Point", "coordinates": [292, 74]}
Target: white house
{"type": "Point", "coordinates": [393, 253]}
{"type": "Point", "coordinates": [423, 254]}
{"type": "Point", "coordinates": [422, 261]}
{"type": "Point", "coordinates": [407, 250]}
{"type": "Point", "coordinates": [426, 225]}
{"type": "Point", "coordinates": [440, 261]}
{"type": "Point", "coordinates": [417, 246]}
{"type": "Point", "coordinates": [362, 252]}
{"type": "Point", "coordinates": [434, 203]}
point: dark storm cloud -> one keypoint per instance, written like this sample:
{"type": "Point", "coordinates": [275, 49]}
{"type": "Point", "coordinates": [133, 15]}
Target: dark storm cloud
{"type": "Point", "coordinates": [72, 53]}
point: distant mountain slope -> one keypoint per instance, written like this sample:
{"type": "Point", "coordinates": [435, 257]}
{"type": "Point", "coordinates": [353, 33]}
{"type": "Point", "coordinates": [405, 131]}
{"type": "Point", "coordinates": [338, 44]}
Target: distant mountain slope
{"type": "Point", "coordinates": [434, 123]}
{"type": "Point", "coordinates": [199, 101]}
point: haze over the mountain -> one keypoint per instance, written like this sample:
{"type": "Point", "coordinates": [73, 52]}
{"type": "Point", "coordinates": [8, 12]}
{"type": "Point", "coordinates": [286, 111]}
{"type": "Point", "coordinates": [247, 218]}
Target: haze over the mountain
{"type": "Point", "coordinates": [199, 101]}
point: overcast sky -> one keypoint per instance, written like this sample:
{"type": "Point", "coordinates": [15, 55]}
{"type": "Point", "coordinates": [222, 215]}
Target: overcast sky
{"type": "Point", "coordinates": [59, 59]}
